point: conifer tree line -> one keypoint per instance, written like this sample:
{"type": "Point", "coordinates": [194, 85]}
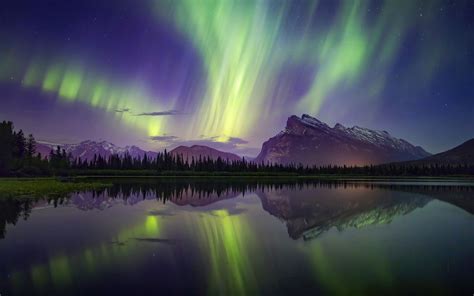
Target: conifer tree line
{"type": "Point", "coordinates": [17, 151]}
{"type": "Point", "coordinates": [18, 157]}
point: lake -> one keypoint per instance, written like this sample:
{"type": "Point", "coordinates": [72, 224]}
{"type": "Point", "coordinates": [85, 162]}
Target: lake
{"type": "Point", "coordinates": [229, 236]}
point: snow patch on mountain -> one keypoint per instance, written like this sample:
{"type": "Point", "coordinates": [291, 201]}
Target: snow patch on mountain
{"type": "Point", "coordinates": [308, 140]}
{"type": "Point", "coordinates": [87, 149]}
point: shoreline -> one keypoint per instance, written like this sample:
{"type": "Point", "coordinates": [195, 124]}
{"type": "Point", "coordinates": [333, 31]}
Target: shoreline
{"type": "Point", "coordinates": [52, 187]}
{"type": "Point", "coordinates": [64, 179]}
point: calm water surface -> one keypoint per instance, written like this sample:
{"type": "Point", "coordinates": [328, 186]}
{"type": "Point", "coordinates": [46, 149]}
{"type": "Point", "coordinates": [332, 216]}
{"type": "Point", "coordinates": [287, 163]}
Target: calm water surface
{"type": "Point", "coordinates": [242, 237]}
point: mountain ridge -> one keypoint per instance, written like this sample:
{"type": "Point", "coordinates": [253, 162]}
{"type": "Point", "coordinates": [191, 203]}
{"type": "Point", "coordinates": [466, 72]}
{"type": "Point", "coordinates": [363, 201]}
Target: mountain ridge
{"type": "Point", "coordinates": [462, 154]}
{"type": "Point", "coordinates": [195, 151]}
{"type": "Point", "coordinates": [86, 150]}
{"type": "Point", "coordinates": [310, 141]}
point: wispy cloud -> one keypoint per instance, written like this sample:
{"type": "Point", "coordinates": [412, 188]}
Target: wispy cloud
{"type": "Point", "coordinates": [123, 110]}
{"type": "Point", "coordinates": [164, 138]}
{"type": "Point", "coordinates": [228, 140]}
{"type": "Point", "coordinates": [161, 113]}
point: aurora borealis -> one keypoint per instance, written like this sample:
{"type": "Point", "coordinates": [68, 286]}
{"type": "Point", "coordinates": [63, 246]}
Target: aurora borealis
{"type": "Point", "coordinates": [159, 73]}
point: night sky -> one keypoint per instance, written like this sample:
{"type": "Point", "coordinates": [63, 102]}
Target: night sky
{"type": "Point", "coordinates": [159, 73]}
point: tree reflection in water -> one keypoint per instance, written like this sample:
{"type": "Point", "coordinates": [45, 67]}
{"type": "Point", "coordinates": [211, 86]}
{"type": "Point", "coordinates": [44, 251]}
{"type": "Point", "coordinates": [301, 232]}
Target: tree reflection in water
{"type": "Point", "coordinates": [237, 248]}
{"type": "Point", "coordinates": [308, 206]}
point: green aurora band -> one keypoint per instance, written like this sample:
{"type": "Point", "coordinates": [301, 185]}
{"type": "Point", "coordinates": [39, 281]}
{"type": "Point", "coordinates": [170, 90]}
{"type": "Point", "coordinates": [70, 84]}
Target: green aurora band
{"type": "Point", "coordinates": [78, 82]}
{"type": "Point", "coordinates": [245, 47]}
{"type": "Point", "coordinates": [245, 44]}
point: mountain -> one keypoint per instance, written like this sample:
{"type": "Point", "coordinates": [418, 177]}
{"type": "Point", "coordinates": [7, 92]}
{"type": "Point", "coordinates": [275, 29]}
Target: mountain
{"type": "Point", "coordinates": [203, 151]}
{"type": "Point", "coordinates": [462, 154]}
{"type": "Point", "coordinates": [309, 141]}
{"type": "Point", "coordinates": [87, 149]}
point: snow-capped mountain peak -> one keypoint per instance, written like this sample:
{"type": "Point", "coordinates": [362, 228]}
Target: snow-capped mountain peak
{"type": "Point", "coordinates": [307, 140]}
{"type": "Point", "coordinates": [86, 150]}
{"type": "Point", "coordinates": [311, 121]}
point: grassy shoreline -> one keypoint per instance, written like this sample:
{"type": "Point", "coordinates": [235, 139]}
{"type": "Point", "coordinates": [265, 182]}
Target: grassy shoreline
{"type": "Point", "coordinates": [76, 179]}
{"type": "Point", "coordinates": [237, 175]}
{"type": "Point", "coordinates": [43, 187]}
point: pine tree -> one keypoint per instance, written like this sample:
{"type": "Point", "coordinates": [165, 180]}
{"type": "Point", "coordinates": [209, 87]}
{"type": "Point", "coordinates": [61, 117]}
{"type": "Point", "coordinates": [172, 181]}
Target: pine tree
{"type": "Point", "coordinates": [30, 147]}
{"type": "Point", "coordinates": [6, 147]}
{"type": "Point", "coordinates": [20, 145]}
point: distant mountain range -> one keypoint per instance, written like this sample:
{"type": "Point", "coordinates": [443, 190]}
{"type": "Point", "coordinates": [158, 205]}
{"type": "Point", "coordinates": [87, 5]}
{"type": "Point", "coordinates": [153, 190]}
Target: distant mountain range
{"type": "Point", "coordinates": [304, 140]}
{"type": "Point", "coordinates": [87, 149]}
{"type": "Point", "coordinates": [197, 150]}
{"type": "Point", "coordinates": [311, 142]}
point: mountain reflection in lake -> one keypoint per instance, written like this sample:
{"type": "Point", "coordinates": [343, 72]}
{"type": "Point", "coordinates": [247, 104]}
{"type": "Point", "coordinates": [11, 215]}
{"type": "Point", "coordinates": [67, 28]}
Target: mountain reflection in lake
{"type": "Point", "coordinates": [240, 236]}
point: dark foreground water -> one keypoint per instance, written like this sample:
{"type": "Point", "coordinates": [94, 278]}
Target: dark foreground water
{"type": "Point", "coordinates": [242, 237]}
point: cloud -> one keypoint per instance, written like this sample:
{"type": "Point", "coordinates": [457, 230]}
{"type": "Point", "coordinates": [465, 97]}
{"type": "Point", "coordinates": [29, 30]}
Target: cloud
{"type": "Point", "coordinates": [156, 113]}
{"type": "Point", "coordinates": [164, 138]}
{"type": "Point", "coordinates": [231, 140]}
{"type": "Point", "coordinates": [161, 113]}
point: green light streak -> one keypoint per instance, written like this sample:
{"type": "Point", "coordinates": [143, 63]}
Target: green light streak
{"type": "Point", "coordinates": [81, 84]}
{"type": "Point", "coordinates": [152, 226]}
{"type": "Point", "coordinates": [33, 75]}
{"type": "Point", "coordinates": [52, 78]}
{"type": "Point", "coordinates": [71, 84]}
{"type": "Point", "coordinates": [39, 276]}
{"type": "Point", "coordinates": [341, 58]}
{"type": "Point", "coordinates": [227, 240]}
{"type": "Point", "coordinates": [337, 269]}
{"type": "Point", "coordinates": [98, 93]}
{"type": "Point", "coordinates": [60, 271]}
{"type": "Point", "coordinates": [235, 39]}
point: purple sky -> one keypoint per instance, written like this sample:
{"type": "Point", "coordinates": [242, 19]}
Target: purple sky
{"type": "Point", "coordinates": [155, 75]}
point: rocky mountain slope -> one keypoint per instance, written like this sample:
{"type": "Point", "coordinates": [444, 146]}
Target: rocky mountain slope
{"type": "Point", "coordinates": [309, 141]}
{"type": "Point", "coordinates": [459, 155]}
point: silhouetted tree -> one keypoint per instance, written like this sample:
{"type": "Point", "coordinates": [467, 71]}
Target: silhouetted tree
{"type": "Point", "coordinates": [20, 145]}
{"type": "Point", "coordinates": [6, 147]}
{"type": "Point", "coordinates": [30, 147]}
